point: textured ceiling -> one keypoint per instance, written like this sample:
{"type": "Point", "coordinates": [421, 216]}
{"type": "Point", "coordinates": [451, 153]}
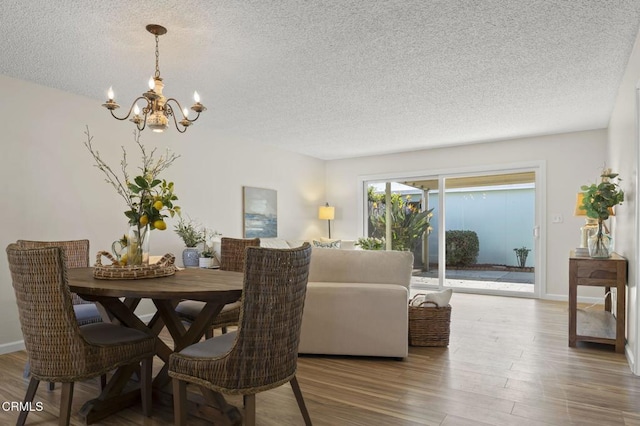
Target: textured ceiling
{"type": "Point", "coordinates": [340, 78]}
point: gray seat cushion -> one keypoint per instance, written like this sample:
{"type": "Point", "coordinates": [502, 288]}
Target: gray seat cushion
{"type": "Point", "coordinates": [190, 309]}
{"type": "Point", "coordinates": [211, 348]}
{"type": "Point", "coordinates": [87, 313]}
{"type": "Point", "coordinates": [103, 333]}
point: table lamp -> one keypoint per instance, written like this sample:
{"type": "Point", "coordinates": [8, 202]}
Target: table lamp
{"type": "Point", "coordinates": [327, 213]}
{"type": "Point", "coordinates": [591, 225]}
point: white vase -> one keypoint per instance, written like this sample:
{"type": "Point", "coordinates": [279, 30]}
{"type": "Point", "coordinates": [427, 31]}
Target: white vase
{"type": "Point", "coordinates": [206, 262]}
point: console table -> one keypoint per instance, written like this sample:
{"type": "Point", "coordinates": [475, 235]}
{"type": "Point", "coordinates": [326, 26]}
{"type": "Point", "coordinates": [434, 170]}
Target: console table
{"type": "Point", "coordinates": [606, 326]}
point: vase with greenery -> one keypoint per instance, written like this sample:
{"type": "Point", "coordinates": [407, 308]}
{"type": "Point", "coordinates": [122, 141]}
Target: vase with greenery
{"type": "Point", "coordinates": [191, 234]}
{"type": "Point", "coordinates": [149, 199]}
{"type": "Point", "coordinates": [598, 202]}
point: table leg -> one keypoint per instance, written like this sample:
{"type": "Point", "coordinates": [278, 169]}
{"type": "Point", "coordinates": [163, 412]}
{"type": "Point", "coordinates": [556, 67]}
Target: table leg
{"type": "Point", "coordinates": [573, 304]}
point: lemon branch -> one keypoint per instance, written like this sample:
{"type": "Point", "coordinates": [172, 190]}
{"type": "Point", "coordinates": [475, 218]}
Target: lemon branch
{"type": "Point", "coordinates": [147, 197]}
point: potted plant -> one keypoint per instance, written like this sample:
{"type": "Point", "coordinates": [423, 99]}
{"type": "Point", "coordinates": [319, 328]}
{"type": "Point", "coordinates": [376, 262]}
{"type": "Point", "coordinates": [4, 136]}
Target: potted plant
{"type": "Point", "coordinates": [208, 257]}
{"type": "Point", "coordinates": [598, 202]}
{"type": "Point", "coordinates": [191, 235]}
{"type": "Point", "coordinates": [521, 256]}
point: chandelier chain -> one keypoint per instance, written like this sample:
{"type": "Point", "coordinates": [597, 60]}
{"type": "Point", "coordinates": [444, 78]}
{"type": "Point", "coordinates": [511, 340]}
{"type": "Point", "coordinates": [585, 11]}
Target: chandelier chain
{"type": "Point", "coordinates": [157, 59]}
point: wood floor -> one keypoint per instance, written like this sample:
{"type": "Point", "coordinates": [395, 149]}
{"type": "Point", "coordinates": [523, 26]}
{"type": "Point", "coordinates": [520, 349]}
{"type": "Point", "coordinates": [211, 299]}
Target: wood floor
{"type": "Point", "coordinates": [508, 363]}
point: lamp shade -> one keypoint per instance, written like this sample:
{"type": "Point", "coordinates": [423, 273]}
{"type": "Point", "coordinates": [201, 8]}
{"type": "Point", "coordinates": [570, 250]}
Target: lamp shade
{"type": "Point", "coordinates": [579, 211]}
{"type": "Point", "coordinates": [326, 212]}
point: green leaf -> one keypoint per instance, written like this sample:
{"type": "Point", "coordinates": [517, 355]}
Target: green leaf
{"type": "Point", "coordinates": [142, 183]}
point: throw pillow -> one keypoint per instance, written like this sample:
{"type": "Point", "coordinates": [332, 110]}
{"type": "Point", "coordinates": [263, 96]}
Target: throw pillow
{"type": "Point", "coordinates": [330, 244]}
{"type": "Point", "coordinates": [440, 299]}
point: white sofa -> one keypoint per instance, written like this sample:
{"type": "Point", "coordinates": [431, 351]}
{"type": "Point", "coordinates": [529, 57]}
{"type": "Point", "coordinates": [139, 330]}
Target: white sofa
{"type": "Point", "coordinates": [356, 303]}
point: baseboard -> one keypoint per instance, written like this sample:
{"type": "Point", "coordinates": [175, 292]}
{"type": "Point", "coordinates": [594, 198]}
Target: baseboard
{"type": "Point", "coordinates": [565, 298]}
{"type": "Point", "coordinates": [7, 348]}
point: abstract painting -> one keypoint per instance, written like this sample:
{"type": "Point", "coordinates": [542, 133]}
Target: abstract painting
{"type": "Point", "coordinates": [260, 211]}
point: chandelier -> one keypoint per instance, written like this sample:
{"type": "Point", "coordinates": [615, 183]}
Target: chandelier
{"type": "Point", "coordinates": [157, 111]}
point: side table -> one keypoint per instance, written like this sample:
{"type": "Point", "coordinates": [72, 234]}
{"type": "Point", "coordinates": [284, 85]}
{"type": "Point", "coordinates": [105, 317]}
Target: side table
{"type": "Point", "coordinates": [606, 326]}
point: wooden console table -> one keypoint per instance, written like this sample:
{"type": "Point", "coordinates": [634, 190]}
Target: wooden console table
{"type": "Point", "coordinates": [606, 326]}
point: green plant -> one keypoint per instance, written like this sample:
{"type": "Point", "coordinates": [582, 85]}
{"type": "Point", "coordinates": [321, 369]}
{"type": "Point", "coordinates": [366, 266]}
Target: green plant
{"type": "Point", "coordinates": [462, 247]}
{"type": "Point", "coordinates": [207, 238]}
{"type": "Point", "coordinates": [149, 199]}
{"type": "Point", "coordinates": [189, 232]}
{"type": "Point", "coordinates": [371, 243]}
{"type": "Point", "coordinates": [598, 202]}
{"type": "Point", "coordinates": [408, 223]}
{"type": "Point", "coordinates": [521, 255]}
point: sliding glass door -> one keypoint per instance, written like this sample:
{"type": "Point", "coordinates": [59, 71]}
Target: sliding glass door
{"type": "Point", "coordinates": [481, 235]}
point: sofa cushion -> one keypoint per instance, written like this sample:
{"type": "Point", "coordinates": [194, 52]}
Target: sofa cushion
{"type": "Point", "coordinates": [276, 243]}
{"type": "Point", "coordinates": [361, 266]}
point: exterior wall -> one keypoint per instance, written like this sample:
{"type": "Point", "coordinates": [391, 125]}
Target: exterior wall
{"type": "Point", "coordinates": [51, 190]}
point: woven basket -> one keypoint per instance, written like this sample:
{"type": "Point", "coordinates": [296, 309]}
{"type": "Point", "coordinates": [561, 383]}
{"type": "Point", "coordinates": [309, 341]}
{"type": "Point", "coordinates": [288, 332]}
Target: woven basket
{"type": "Point", "coordinates": [163, 268]}
{"type": "Point", "coordinates": [429, 324]}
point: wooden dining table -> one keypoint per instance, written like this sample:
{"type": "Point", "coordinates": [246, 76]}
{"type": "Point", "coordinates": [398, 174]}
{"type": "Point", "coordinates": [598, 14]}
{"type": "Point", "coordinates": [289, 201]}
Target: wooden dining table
{"type": "Point", "coordinates": [120, 298]}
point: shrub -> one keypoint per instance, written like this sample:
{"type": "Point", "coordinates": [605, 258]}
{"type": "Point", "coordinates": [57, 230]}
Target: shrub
{"type": "Point", "coordinates": [462, 247]}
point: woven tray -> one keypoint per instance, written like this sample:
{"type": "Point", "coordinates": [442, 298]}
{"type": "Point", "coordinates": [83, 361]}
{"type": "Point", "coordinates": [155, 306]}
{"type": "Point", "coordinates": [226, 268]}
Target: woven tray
{"type": "Point", "coordinates": [163, 268]}
{"type": "Point", "coordinates": [429, 324]}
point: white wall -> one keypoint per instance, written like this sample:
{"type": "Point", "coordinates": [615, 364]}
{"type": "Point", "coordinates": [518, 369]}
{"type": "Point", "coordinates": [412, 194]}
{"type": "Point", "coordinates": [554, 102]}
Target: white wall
{"type": "Point", "coordinates": [623, 158]}
{"type": "Point", "coordinates": [50, 189]}
{"type": "Point", "coordinates": [571, 160]}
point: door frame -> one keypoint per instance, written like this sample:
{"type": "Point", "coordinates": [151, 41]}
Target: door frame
{"type": "Point", "coordinates": [538, 166]}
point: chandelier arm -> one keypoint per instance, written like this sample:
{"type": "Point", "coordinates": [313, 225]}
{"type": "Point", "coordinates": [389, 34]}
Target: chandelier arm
{"type": "Point", "coordinates": [130, 109]}
{"type": "Point", "coordinates": [173, 114]}
{"type": "Point", "coordinates": [144, 123]}
{"type": "Point", "coordinates": [179, 106]}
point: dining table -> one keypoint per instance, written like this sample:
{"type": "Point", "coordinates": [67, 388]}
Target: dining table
{"type": "Point", "coordinates": [118, 300]}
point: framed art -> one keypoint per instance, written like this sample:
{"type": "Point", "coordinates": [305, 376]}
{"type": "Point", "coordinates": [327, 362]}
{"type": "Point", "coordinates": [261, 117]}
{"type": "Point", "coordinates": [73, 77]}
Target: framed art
{"type": "Point", "coordinates": [260, 212]}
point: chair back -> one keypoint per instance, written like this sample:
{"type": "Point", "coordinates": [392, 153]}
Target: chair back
{"type": "Point", "coordinates": [51, 334]}
{"type": "Point", "coordinates": [76, 255]}
{"type": "Point", "coordinates": [233, 252]}
{"type": "Point", "coordinates": [266, 347]}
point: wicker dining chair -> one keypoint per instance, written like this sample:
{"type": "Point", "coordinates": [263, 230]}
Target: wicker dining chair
{"type": "Point", "coordinates": [59, 349]}
{"type": "Point", "coordinates": [232, 258]}
{"type": "Point", "coordinates": [262, 353]}
{"type": "Point", "coordinates": [77, 256]}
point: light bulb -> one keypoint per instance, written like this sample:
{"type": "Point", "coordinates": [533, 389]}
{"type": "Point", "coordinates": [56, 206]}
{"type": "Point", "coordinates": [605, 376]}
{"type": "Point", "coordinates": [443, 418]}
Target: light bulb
{"type": "Point", "coordinates": [196, 97]}
{"type": "Point", "coordinates": [185, 112]}
{"type": "Point", "coordinates": [136, 109]}
{"type": "Point", "coordinates": [151, 83]}
{"type": "Point", "coordinates": [110, 93]}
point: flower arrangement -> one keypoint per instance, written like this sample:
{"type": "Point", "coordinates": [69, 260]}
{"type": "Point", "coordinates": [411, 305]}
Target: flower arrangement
{"type": "Point", "coordinates": [208, 237]}
{"type": "Point", "coordinates": [149, 199]}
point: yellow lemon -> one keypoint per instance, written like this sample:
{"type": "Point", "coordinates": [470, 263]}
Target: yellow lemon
{"type": "Point", "coordinates": [159, 224]}
{"type": "Point", "coordinates": [144, 220]}
{"type": "Point", "coordinates": [158, 205]}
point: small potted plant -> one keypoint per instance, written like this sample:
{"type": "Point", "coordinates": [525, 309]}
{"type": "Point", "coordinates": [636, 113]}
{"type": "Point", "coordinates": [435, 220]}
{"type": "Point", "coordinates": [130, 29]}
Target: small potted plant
{"type": "Point", "coordinates": [521, 256]}
{"type": "Point", "coordinates": [208, 258]}
{"type": "Point", "coordinates": [191, 235]}
{"type": "Point", "coordinates": [598, 202]}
